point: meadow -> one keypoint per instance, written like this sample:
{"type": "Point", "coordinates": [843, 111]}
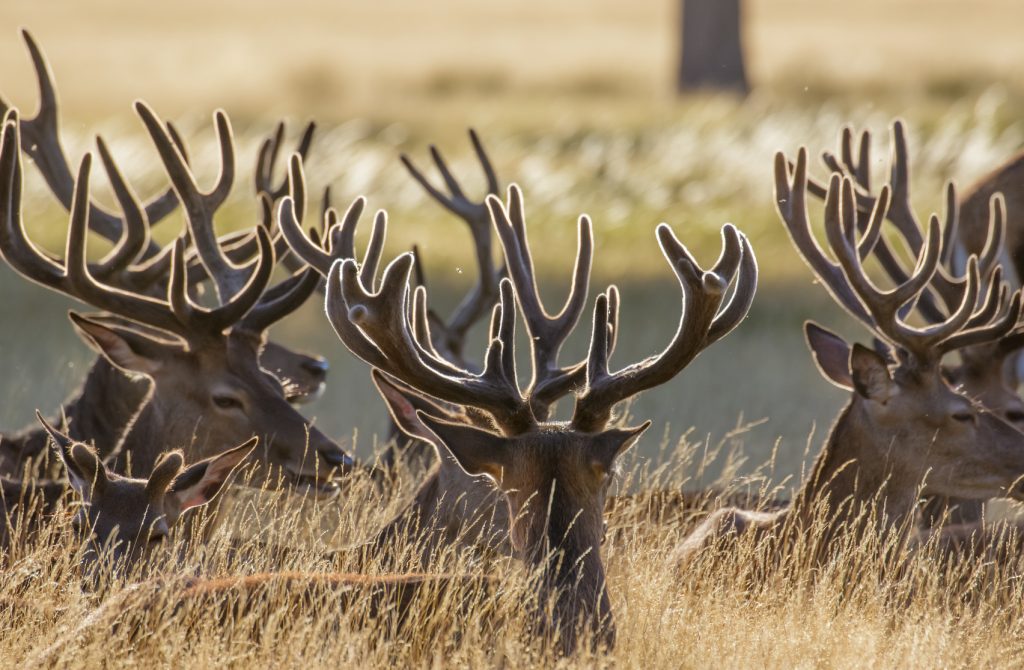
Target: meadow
{"type": "Point", "coordinates": [572, 102]}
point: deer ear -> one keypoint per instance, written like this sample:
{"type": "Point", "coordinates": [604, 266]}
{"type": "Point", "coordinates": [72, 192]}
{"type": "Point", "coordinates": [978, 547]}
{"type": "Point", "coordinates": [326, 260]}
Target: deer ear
{"type": "Point", "coordinates": [870, 372]}
{"type": "Point", "coordinates": [831, 354]}
{"type": "Point", "coordinates": [200, 483]}
{"type": "Point", "coordinates": [86, 472]}
{"type": "Point", "coordinates": [611, 444]}
{"type": "Point", "coordinates": [477, 451]}
{"type": "Point", "coordinates": [403, 403]}
{"type": "Point", "coordinates": [123, 347]}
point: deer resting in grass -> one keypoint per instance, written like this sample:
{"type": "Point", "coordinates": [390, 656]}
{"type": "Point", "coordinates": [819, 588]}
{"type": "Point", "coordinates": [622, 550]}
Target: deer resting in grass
{"type": "Point", "coordinates": [987, 372]}
{"type": "Point", "coordinates": [127, 519]}
{"type": "Point", "coordinates": [118, 394]}
{"type": "Point", "coordinates": [553, 475]}
{"type": "Point", "coordinates": [208, 388]}
{"type": "Point", "coordinates": [306, 374]}
{"type": "Point", "coordinates": [905, 431]}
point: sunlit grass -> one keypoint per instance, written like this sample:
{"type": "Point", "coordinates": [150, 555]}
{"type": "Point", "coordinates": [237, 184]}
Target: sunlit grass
{"type": "Point", "coordinates": [875, 603]}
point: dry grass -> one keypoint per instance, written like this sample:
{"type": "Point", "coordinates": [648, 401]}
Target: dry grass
{"type": "Point", "coordinates": [874, 605]}
{"type": "Point", "coordinates": [572, 100]}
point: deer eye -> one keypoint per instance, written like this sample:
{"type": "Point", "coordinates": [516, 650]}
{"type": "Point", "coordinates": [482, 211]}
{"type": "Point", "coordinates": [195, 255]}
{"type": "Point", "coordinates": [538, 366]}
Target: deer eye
{"type": "Point", "coordinates": [1015, 416]}
{"type": "Point", "coordinates": [227, 402]}
{"type": "Point", "coordinates": [963, 417]}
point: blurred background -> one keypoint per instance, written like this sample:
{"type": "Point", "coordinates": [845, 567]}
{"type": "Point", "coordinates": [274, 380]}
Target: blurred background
{"type": "Point", "coordinates": [593, 106]}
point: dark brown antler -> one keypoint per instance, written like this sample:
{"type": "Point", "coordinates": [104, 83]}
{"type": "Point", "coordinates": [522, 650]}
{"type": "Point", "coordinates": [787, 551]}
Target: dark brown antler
{"type": "Point", "coordinates": [948, 283]}
{"type": "Point", "coordinates": [701, 323]}
{"type": "Point", "coordinates": [376, 327]}
{"type": "Point", "coordinates": [337, 240]}
{"type": "Point", "coordinates": [267, 158]}
{"type": "Point", "coordinates": [42, 143]}
{"type": "Point", "coordinates": [882, 311]}
{"type": "Point", "coordinates": [547, 333]}
{"type": "Point", "coordinates": [216, 258]}
{"type": "Point", "coordinates": [450, 337]}
{"type": "Point", "coordinates": [178, 315]}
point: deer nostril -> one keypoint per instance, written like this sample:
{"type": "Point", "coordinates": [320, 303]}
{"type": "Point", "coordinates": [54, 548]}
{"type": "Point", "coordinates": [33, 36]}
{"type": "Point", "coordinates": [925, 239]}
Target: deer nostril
{"type": "Point", "coordinates": [316, 366]}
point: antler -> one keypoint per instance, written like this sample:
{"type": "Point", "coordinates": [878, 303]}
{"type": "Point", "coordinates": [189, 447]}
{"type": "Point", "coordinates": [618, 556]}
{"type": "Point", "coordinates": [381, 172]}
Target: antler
{"type": "Point", "coordinates": [376, 328]}
{"type": "Point", "coordinates": [547, 333]}
{"type": "Point", "coordinates": [948, 283]}
{"type": "Point", "coordinates": [450, 338]}
{"type": "Point", "coordinates": [702, 322]}
{"type": "Point", "coordinates": [178, 314]}
{"type": "Point", "coordinates": [882, 311]}
{"type": "Point", "coordinates": [200, 207]}
{"type": "Point", "coordinates": [42, 143]}
{"type": "Point", "coordinates": [267, 158]}
{"type": "Point", "coordinates": [337, 241]}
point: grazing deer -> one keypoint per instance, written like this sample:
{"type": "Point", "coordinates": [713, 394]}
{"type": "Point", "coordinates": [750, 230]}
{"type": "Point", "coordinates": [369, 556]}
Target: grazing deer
{"type": "Point", "coordinates": [553, 475]}
{"type": "Point", "coordinates": [986, 372]}
{"type": "Point", "coordinates": [305, 374]}
{"type": "Point", "coordinates": [208, 388]}
{"type": "Point", "coordinates": [131, 518]}
{"type": "Point", "coordinates": [904, 430]}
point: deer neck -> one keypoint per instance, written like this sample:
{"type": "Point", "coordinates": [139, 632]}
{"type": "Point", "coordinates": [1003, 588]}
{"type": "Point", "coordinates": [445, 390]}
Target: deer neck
{"type": "Point", "coordinates": [853, 471]}
{"type": "Point", "coordinates": [148, 435]}
{"type": "Point", "coordinates": [106, 405]}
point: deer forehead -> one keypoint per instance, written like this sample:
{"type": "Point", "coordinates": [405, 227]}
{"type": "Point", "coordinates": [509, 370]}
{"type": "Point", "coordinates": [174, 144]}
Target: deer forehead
{"type": "Point", "coordinates": [126, 503]}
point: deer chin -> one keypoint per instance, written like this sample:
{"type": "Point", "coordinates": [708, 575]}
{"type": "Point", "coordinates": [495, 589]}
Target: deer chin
{"type": "Point", "coordinates": [302, 396]}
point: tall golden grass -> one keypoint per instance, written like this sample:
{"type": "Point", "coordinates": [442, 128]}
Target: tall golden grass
{"type": "Point", "coordinates": [876, 603]}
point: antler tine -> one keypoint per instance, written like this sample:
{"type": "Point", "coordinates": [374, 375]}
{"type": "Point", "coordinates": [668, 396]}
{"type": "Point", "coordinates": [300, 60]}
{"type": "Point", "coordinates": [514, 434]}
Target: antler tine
{"type": "Point", "coordinates": [18, 250]}
{"type": "Point", "coordinates": [81, 285]}
{"type": "Point", "coordinates": [375, 327]}
{"type": "Point", "coordinates": [547, 333]}
{"type": "Point", "coordinates": [198, 319]}
{"type": "Point", "coordinates": [267, 158]}
{"type": "Point", "coordinates": [702, 295]}
{"type": "Point", "coordinates": [475, 304]}
{"type": "Point", "coordinates": [200, 206]}
{"type": "Point", "coordinates": [299, 242]}
{"type": "Point", "coordinates": [745, 273]}
{"type": "Point", "coordinates": [791, 204]}
{"type": "Point", "coordinates": [999, 330]}
{"type": "Point", "coordinates": [73, 279]}
{"type": "Point", "coordinates": [43, 145]}
{"type": "Point", "coordinates": [135, 237]}
{"type": "Point", "coordinates": [926, 344]}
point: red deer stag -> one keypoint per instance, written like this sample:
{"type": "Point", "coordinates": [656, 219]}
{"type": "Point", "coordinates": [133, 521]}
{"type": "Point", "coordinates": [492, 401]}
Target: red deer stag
{"type": "Point", "coordinates": [986, 372]}
{"type": "Point", "coordinates": [904, 430]}
{"type": "Point", "coordinates": [208, 388]}
{"type": "Point", "coordinates": [554, 475]}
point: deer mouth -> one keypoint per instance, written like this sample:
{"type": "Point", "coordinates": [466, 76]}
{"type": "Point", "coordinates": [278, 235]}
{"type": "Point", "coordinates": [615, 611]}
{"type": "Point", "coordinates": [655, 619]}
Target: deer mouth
{"type": "Point", "coordinates": [300, 395]}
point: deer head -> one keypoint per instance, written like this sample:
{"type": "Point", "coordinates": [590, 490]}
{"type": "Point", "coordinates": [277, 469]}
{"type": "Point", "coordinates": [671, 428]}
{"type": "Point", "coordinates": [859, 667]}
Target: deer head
{"type": "Point", "coordinates": [986, 372]}
{"type": "Point", "coordinates": [132, 518]}
{"type": "Point", "coordinates": [304, 375]}
{"type": "Point", "coordinates": [913, 426]}
{"type": "Point", "coordinates": [208, 386]}
{"type": "Point", "coordinates": [554, 475]}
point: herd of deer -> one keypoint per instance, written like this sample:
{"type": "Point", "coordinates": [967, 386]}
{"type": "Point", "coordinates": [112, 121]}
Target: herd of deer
{"type": "Point", "coordinates": [922, 439]}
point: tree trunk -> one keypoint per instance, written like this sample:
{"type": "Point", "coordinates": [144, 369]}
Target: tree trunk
{"type": "Point", "coordinates": [712, 53]}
